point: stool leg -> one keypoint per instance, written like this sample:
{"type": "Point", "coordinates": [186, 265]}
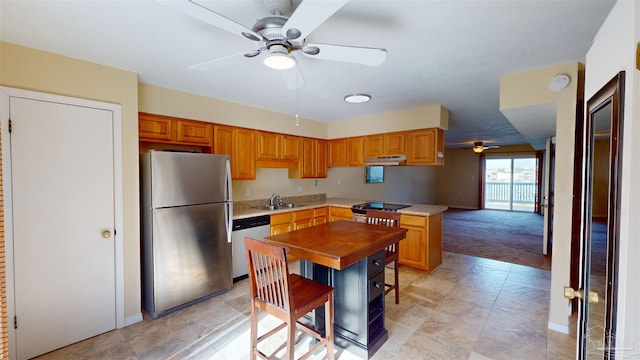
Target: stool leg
{"type": "Point", "coordinates": [254, 332]}
{"type": "Point", "coordinates": [328, 317]}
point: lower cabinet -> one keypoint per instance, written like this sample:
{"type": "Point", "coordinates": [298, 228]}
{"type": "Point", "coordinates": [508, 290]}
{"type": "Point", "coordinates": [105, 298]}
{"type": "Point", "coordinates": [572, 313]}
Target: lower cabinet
{"type": "Point", "coordinates": [340, 213]}
{"type": "Point", "coordinates": [281, 223]}
{"type": "Point", "coordinates": [422, 247]}
{"type": "Point", "coordinates": [358, 303]}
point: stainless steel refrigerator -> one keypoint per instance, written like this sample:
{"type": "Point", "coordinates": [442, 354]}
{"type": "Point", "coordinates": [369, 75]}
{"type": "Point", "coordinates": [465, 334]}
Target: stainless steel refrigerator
{"type": "Point", "coordinates": [186, 228]}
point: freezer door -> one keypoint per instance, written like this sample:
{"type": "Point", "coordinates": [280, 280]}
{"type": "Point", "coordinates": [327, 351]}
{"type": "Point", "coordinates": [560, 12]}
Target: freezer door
{"type": "Point", "coordinates": [189, 257]}
{"type": "Point", "coordinates": [179, 179]}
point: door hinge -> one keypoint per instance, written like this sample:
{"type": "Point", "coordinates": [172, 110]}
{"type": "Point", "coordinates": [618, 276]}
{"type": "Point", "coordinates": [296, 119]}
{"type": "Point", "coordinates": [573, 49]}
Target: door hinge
{"type": "Point", "coordinates": [15, 321]}
{"type": "Point", "coordinates": [10, 125]}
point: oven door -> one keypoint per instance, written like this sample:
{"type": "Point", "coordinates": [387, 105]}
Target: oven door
{"type": "Point", "coordinates": [357, 217]}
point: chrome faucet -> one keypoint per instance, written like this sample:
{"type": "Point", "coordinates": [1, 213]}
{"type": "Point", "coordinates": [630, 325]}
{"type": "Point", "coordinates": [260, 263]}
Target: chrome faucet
{"type": "Point", "coordinates": [272, 200]}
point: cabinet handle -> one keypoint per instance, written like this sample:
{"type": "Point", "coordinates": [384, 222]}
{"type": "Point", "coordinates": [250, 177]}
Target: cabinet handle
{"type": "Point", "coordinates": [377, 262]}
{"type": "Point", "coordinates": [377, 284]}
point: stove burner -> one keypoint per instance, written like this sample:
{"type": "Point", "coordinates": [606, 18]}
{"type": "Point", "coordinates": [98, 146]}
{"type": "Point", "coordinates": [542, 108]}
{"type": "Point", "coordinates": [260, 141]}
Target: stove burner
{"type": "Point", "coordinates": [362, 208]}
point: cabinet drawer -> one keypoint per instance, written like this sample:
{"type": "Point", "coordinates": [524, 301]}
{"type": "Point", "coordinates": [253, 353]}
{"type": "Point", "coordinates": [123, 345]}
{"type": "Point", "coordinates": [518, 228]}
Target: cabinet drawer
{"type": "Point", "coordinates": [376, 307]}
{"type": "Point", "coordinates": [281, 218]}
{"type": "Point", "coordinates": [413, 220]}
{"type": "Point", "coordinates": [302, 215]}
{"type": "Point", "coordinates": [376, 285]}
{"type": "Point", "coordinates": [375, 263]}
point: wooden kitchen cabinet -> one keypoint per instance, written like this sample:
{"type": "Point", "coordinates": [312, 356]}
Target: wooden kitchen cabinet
{"type": "Point", "coordinates": [355, 151]}
{"type": "Point", "coordinates": [281, 223]}
{"type": "Point", "coordinates": [425, 147]}
{"type": "Point", "coordinates": [394, 143]}
{"type": "Point", "coordinates": [320, 215]}
{"type": "Point", "coordinates": [162, 132]}
{"type": "Point", "coordinates": [422, 247]}
{"type": "Point", "coordinates": [239, 144]}
{"type": "Point", "coordinates": [302, 219]}
{"type": "Point", "coordinates": [194, 132]}
{"type": "Point", "coordinates": [313, 160]}
{"type": "Point", "coordinates": [154, 128]}
{"type": "Point", "coordinates": [267, 145]}
{"type": "Point", "coordinates": [337, 152]}
{"type": "Point", "coordinates": [275, 150]}
{"type": "Point", "coordinates": [340, 213]}
{"type": "Point", "coordinates": [373, 145]}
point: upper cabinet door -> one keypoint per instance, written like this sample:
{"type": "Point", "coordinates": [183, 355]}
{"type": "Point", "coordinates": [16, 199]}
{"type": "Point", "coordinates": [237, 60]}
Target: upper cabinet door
{"type": "Point", "coordinates": [355, 151]}
{"type": "Point", "coordinates": [290, 147]}
{"type": "Point", "coordinates": [425, 147]}
{"type": "Point", "coordinates": [267, 145]}
{"type": "Point", "coordinates": [373, 145]}
{"type": "Point", "coordinates": [155, 128]}
{"type": "Point", "coordinates": [194, 132]}
{"type": "Point", "coordinates": [338, 152]}
{"type": "Point", "coordinates": [394, 143]}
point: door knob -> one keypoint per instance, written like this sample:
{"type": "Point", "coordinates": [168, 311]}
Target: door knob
{"type": "Point", "coordinates": [571, 293]}
{"type": "Point", "coordinates": [106, 234]}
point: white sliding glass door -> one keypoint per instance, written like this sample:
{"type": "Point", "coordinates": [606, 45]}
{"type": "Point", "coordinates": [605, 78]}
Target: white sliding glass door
{"type": "Point", "coordinates": [510, 183]}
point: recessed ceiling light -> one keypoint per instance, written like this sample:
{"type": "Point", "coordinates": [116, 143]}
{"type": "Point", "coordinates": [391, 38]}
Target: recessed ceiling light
{"type": "Point", "coordinates": [357, 98]}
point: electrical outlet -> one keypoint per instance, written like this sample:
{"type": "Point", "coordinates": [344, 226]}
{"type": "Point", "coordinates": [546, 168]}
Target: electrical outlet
{"type": "Point", "coordinates": [315, 182]}
{"type": "Point", "coordinates": [247, 192]}
{"type": "Point", "coordinates": [299, 188]}
{"type": "Point", "coordinates": [339, 182]}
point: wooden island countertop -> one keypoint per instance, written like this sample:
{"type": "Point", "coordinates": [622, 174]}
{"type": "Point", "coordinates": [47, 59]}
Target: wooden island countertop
{"type": "Point", "coordinates": [337, 244]}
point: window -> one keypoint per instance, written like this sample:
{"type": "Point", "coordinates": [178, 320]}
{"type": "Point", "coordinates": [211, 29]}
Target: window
{"type": "Point", "coordinates": [511, 183]}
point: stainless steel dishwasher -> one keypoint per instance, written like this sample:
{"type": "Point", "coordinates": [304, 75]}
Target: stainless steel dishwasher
{"type": "Point", "coordinates": [257, 227]}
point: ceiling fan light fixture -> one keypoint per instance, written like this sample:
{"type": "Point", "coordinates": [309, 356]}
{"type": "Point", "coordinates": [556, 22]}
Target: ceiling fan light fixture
{"type": "Point", "coordinates": [478, 149]}
{"type": "Point", "coordinates": [279, 58]}
{"type": "Point", "coordinates": [357, 98]}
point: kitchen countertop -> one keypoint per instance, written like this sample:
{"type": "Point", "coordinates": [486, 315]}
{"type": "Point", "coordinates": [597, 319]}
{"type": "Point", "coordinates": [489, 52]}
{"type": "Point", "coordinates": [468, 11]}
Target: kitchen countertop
{"type": "Point", "coordinates": [414, 209]}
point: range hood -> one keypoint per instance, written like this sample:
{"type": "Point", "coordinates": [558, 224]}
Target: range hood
{"type": "Point", "coordinates": [385, 160]}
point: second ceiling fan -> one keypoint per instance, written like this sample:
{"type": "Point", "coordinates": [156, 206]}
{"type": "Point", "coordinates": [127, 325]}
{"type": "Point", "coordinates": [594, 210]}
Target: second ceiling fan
{"type": "Point", "coordinates": [278, 39]}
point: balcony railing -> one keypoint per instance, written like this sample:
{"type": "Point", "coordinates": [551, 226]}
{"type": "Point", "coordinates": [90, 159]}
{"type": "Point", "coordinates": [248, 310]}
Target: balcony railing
{"type": "Point", "coordinates": [499, 195]}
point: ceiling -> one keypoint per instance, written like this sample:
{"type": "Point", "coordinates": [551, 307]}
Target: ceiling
{"type": "Point", "coordinates": [439, 52]}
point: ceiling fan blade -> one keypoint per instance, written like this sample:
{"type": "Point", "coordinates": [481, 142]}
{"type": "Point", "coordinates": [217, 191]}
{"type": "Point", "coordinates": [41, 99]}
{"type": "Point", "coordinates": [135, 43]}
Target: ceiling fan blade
{"type": "Point", "coordinates": [222, 61]}
{"type": "Point", "coordinates": [293, 77]}
{"type": "Point", "coordinates": [308, 16]}
{"type": "Point", "coordinates": [201, 13]}
{"type": "Point", "coordinates": [352, 54]}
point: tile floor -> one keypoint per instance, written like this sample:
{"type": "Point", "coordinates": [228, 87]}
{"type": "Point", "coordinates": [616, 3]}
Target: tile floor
{"type": "Point", "coordinates": [468, 308]}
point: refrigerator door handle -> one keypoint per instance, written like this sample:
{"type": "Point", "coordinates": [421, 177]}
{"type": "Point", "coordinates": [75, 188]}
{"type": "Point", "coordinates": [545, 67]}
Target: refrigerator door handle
{"type": "Point", "coordinates": [229, 219]}
{"type": "Point", "coordinates": [229, 195]}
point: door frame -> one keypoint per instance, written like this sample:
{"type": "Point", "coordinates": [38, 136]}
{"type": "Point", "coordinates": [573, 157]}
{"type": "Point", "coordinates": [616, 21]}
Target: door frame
{"type": "Point", "coordinates": [5, 94]}
{"type": "Point", "coordinates": [611, 93]}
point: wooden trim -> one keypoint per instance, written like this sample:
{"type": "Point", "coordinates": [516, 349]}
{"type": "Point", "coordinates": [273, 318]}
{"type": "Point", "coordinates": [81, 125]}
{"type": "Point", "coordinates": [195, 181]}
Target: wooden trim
{"type": "Point", "coordinates": [4, 339]}
{"type": "Point", "coordinates": [539, 157]}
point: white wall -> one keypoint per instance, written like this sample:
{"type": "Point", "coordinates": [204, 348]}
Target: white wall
{"type": "Point", "coordinates": [613, 50]}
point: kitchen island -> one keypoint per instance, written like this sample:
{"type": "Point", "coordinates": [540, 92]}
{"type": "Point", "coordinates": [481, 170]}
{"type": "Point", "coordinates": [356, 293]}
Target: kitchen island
{"type": "Point", "coordinates": [349, 257]}
{"type": "Point", "coordinates": [421, 250]}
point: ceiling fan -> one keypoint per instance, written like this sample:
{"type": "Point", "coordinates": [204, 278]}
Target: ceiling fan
{"type": "Point", "coordinates": [478, 147]}
{"type": "Point", "coordinates": [278, 39]}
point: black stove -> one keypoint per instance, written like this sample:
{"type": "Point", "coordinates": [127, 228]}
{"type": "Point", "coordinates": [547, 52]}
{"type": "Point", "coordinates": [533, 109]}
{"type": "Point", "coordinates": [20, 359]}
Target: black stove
{"type": "Point", "coordinates": [362, 208]}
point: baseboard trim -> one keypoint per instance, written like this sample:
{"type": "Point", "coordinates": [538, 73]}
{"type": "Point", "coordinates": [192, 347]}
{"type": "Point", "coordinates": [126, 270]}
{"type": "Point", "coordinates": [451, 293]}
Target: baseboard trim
{"type": "Point", "coordinates": [461, 207]}
{"type": "Point", "coordinates": [558, 327]}
{"type": "Point", "coordinates": [133, 319]}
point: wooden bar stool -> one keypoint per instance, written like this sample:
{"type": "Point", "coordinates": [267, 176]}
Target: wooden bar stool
{"type": "Point", "coordinates": [388, 218]}
{"type": "Point", "coordinates": [286, 296]}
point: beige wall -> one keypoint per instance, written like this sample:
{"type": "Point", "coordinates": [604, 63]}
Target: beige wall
{"type": "Point", "coordinates": [458, 179]}
{"type": "Point", "coordinates": [410, 119]}
{"type": "Point", "coordinates": [532, 88]}
{"type": "Point", "coordinates": [163, 101]}
{"type": "Point", "coordinates": [614, 50]}
{"type": "Point", "coordinates": [35, 70]}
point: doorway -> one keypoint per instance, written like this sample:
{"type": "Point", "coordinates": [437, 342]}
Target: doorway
{"type": "Point", "coordinates": [600, 214]}
{"type": "Point", "coordinates": [61, 173]}
{"type": "Point", "coordinates": [510, 183]}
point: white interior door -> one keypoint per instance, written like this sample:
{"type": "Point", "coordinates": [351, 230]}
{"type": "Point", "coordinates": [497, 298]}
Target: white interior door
{"type": "Point", "coordinates": [62, 172]}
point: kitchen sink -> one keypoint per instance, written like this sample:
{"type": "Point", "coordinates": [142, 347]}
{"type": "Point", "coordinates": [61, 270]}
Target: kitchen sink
{"type": "Point", "coordinates": [276, 207]}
